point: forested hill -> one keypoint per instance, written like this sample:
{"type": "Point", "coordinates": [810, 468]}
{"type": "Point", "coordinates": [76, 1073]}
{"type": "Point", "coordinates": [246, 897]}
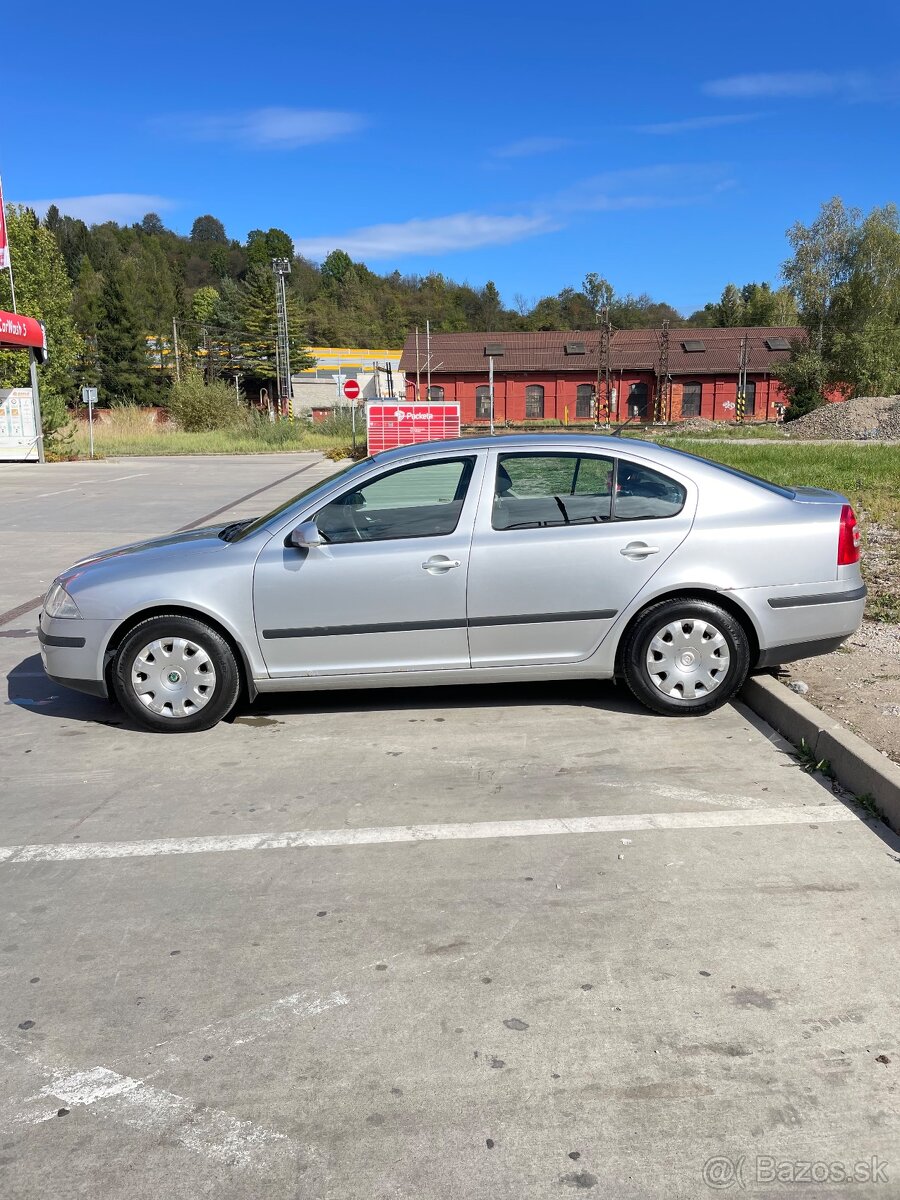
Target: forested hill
{"type": "Point", "coordinates": [208, 279]}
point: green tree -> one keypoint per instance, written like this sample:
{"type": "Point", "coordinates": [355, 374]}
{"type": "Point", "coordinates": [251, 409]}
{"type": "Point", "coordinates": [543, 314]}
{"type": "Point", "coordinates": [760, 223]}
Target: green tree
{"type": "Point", "coordinates": [598, 290]}
{"type": "Point", "coordinates": [204, 305]}
{"type": "Point", "coordinates": [209, 230]}
{"type": "Point", "coordinates": [88, 312]}
{"type": "Point", "coordinates": [820, 265]}
{"type": "Point", "coordinates": [263, 247]}
{"type": "Point", "coordinates": [258, 323]}
{"type": "Point", "coordinates": [121, 343]}
{"type": "Point", "coordinates": [43, 290]}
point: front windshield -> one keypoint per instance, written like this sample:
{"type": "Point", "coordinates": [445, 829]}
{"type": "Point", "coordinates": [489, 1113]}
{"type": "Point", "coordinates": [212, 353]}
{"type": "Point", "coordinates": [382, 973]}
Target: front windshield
{"type": "Point", "coordinates": [261, 522]}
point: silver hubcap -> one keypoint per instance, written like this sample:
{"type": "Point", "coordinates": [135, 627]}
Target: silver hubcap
{"type": "Point", "coordinates": [173, 677]}
{"type": "Point", "coordinates": [688, 659]}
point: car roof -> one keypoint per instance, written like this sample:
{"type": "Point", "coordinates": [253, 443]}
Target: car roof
{"type": "Point", "coordinates": [556, 442]}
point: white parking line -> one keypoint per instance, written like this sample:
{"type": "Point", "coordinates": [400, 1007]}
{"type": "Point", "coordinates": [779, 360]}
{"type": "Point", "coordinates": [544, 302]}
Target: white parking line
{"type": "Point", "coordinates": [548, 827]}
{"type": "Point", "coordinates": [88, 482]}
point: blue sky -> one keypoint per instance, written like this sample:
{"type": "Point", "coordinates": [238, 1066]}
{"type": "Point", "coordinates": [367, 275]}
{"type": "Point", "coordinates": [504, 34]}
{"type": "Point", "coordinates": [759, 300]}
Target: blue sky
{"type": "Point", "coordinates": [666, 147]}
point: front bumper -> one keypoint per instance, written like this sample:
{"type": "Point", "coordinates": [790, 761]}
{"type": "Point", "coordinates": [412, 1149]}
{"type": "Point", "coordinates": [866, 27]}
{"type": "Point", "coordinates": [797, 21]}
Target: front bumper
{"type": "Point", "coordinates": [73, 652]}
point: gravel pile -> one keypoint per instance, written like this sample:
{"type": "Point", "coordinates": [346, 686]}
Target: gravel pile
{"type": "Point", "coordinates": [861, 418]}
{"type": "Point", "coordinates": [700, 424]}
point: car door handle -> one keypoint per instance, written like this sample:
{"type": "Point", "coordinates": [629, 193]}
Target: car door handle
{"type": "Point", "coordinates": [440, 564]}
{"type": "Point", "coordinates": [638, 550]}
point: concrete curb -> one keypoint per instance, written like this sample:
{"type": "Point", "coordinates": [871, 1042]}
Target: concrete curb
{"type": "Point", "coordinates": [858, 766]}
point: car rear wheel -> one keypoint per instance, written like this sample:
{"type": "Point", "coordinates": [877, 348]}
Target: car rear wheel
{"type": "Point", "coordinates": [685, 657]}
{"type": "Point", "coordinates": [174, 674]}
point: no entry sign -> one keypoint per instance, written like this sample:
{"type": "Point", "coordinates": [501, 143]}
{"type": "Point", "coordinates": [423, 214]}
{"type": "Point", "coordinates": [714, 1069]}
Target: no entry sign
{"type": "Point", "coordinates": [402, 424]}
{"type": "Point", "coordinates": [351, 389]}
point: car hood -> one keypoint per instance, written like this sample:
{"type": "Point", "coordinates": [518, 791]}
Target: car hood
{"type": "Point", "coordinates": [194, 541]}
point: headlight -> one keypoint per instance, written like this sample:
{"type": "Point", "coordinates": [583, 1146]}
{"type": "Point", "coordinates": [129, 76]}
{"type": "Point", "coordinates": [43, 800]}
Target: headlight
{"type": "Point", "coordinates": [58, 602]}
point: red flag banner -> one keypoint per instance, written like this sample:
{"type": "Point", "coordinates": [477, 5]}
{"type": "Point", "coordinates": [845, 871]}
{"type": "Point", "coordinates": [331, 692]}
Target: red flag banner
{"type": "Point", "coordinates": [4, 244]}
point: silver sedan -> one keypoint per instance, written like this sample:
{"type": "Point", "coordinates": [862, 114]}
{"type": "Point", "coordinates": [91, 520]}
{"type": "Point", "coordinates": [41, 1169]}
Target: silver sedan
{"type": "Point", "coordinates": [481, 560]}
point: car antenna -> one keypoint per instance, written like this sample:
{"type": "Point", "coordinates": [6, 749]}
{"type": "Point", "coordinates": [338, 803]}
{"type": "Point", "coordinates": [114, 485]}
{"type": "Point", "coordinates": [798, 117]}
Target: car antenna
{"type": "Point", "coordinates": [618, 429]}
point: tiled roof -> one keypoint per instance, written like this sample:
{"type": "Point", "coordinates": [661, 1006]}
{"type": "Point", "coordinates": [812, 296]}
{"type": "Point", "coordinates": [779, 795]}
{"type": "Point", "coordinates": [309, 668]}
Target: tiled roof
{"type": "Point", "coordinates": [630, 349]}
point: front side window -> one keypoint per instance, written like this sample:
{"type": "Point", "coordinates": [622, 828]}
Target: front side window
{"type": "Point", "coordinates": [539, 491]}
{"type": "Point", "coordinates": [483, 403]}
{"type": "Point", "coordinates": [690, 400]}
{"type": "Point", "coordinates": [534, 402]}
{"type": "Point", "coordinates": [424, 500]}
{"type": "Point", "coordinates": [584, 401]}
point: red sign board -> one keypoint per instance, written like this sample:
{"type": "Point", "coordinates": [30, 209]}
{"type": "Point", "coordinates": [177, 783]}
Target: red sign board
{"type": "Point", "coordinates": [392, 423]}
{"type": "Point", "coordinates": [16, 330]}
{"type": "Point", "coordinates": [351, 389]}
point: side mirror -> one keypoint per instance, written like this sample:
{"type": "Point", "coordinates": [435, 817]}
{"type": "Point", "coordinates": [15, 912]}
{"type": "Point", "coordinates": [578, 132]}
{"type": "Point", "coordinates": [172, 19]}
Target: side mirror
{"type": "Point", "coordinates": [306, 535]}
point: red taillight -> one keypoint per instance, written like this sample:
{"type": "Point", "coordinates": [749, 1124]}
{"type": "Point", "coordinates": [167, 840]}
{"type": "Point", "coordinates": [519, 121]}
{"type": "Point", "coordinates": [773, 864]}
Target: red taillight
{"type": "Point", "coordinates": [848, 538]}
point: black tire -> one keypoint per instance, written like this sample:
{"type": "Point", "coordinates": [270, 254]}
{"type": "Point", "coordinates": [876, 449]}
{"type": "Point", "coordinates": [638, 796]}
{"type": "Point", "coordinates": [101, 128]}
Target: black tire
{"type": "Point", "coordinates": [733, 650]}
{"type": "Point", "coordinates": [201, 709]}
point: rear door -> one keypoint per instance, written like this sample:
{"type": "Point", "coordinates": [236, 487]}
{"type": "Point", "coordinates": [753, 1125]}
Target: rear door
{"type": "Point", "coordinates": [387, 591]}
{"type": "Point", "coordinates": [563, 542]}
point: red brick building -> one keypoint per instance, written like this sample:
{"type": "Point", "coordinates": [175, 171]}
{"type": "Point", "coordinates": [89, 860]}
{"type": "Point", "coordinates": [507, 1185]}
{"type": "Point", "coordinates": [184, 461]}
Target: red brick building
{"type": "Point", "coordinates": [554, 375]}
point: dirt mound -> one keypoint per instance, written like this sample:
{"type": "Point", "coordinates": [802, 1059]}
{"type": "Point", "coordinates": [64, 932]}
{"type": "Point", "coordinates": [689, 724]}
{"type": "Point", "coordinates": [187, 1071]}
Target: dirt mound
{"type": "Point", "coordinates": [860, 419]}
{"type": "Point", "coordinates": [700, 424]}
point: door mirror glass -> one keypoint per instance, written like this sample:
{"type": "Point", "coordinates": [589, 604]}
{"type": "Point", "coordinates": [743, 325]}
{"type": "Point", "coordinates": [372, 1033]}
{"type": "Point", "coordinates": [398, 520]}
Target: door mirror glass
{"type": "Point", "coordinates": [306, 535]}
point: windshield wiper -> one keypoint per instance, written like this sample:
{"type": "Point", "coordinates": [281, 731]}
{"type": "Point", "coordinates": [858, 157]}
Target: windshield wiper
{"type": "Point", "coordinates": [227, 534]}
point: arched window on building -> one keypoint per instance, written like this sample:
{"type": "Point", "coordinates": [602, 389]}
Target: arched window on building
{"type": "Point", "coordinates": [584, 401]}
{"type": "Point", "coordinates": [691, 396]}
{"type": "Point", "coordinates": [435, 394]}
{"type": "Point", "coordinates": [749, 398]}
{"type": "Point", "coordinates": [483, 403]}
{"type": "Point", "coordinates": [637, 401]}
{"type": "Point", "coordinates": [534, 402]}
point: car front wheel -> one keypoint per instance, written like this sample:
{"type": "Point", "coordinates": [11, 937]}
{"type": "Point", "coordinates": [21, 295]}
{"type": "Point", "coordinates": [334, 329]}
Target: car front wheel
{"type": "Point", "coordinates": [685, 657]}
{"type": "Point", "coordinates": [174, 674]}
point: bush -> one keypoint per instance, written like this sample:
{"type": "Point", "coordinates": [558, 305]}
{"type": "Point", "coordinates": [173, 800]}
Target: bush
{"type": "Point", "coordinates": [198, 406]}
{"type": "Point", "coordinates": [803, 402]}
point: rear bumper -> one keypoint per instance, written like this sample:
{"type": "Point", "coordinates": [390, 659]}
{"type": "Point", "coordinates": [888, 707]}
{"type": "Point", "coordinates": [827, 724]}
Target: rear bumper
{"type": "Point", "coordinates": [785, 654]}
{"type": "Point", "coordinates": [804, 621]}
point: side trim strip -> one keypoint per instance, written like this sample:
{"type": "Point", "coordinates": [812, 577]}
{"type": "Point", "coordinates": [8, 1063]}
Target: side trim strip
{"type": "Point", "coordinates": [856, 593]}
{"type": "Point", "coordinates": [600, 614]}
{"type": "Point", "coordinates": [345, 630]}
{"type": "Point", "coordinates": [53, 639]}
{"type": "Point", "coordinates": [603, 614]}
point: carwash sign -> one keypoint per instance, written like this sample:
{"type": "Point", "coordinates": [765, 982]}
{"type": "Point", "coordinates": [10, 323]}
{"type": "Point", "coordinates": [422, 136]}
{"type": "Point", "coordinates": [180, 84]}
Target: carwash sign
{"type": "Point", "coordinates": [18, 332]}
{"type": "Point", "coordinates": [401, 424]}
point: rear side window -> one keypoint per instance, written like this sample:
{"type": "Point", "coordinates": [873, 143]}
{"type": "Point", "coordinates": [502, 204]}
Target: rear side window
{"type": "Point", "coordinates": [643, 494]}
{"type": "Point", "coordinates": [539, 491]}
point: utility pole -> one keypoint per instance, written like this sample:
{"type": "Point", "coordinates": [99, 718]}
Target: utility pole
{"type": "Point", "coordinates": [428, 359]}
{"type": "Point", "coordinates": [742, 383]}
{"type": "Point", "coordinates": [662, 374]}
{"type": "Point", "coordinates": [282, 268]}
{"type": "Point", "coordinates": [491, 389]}
{"type": "Point", "coordinates": [418, 369]}
{"type": "Point", "coordinates": [604, 336]}
{"type": "Point", "coordinates": [175, 345]}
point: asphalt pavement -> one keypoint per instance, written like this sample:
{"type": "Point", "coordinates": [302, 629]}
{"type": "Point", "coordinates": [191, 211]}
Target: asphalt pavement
{"type": "Point", "coordinates": [491, 942]}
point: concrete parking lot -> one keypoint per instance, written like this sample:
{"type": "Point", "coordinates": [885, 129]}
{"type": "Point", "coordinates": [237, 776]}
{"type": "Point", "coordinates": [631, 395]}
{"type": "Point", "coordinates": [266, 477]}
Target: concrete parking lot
{"type": "Point", "coordinates": [502, 942]}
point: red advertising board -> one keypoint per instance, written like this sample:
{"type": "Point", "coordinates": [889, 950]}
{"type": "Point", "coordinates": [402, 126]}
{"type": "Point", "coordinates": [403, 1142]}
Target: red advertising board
{"type": "Point", "coordinates": [398, 423]}
{"type": "Point", "coordinates": [16, 330]}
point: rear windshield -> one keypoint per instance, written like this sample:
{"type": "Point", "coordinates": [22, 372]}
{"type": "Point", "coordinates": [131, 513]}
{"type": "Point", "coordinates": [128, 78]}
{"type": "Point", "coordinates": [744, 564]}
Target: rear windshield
{"type": "Point", "coordinates": [787, 493]}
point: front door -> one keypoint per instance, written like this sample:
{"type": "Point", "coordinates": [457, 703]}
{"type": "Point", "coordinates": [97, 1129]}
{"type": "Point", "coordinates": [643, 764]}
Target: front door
{"type": "Point", "coordinates": [563, 546]}
{"type": "Point", "coordinates": [387, 589]}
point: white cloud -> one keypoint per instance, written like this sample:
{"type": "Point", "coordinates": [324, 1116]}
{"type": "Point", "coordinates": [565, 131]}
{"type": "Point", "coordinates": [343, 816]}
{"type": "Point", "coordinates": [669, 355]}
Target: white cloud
{"type": "Point", "coordinates": [696, 124]}
{"type": "Point", "coordinates": [531, 146]}
{"type": "Point", "coordinates": [664, 185]}
{"type": "Point", "coordinates": [432, 235]}
{"type": "Point", "coordinates": [803, 85]}
{"type": "Point", "coordinates": [107, 206]}
{"type": "Point", "coordinates": [266, 128]}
